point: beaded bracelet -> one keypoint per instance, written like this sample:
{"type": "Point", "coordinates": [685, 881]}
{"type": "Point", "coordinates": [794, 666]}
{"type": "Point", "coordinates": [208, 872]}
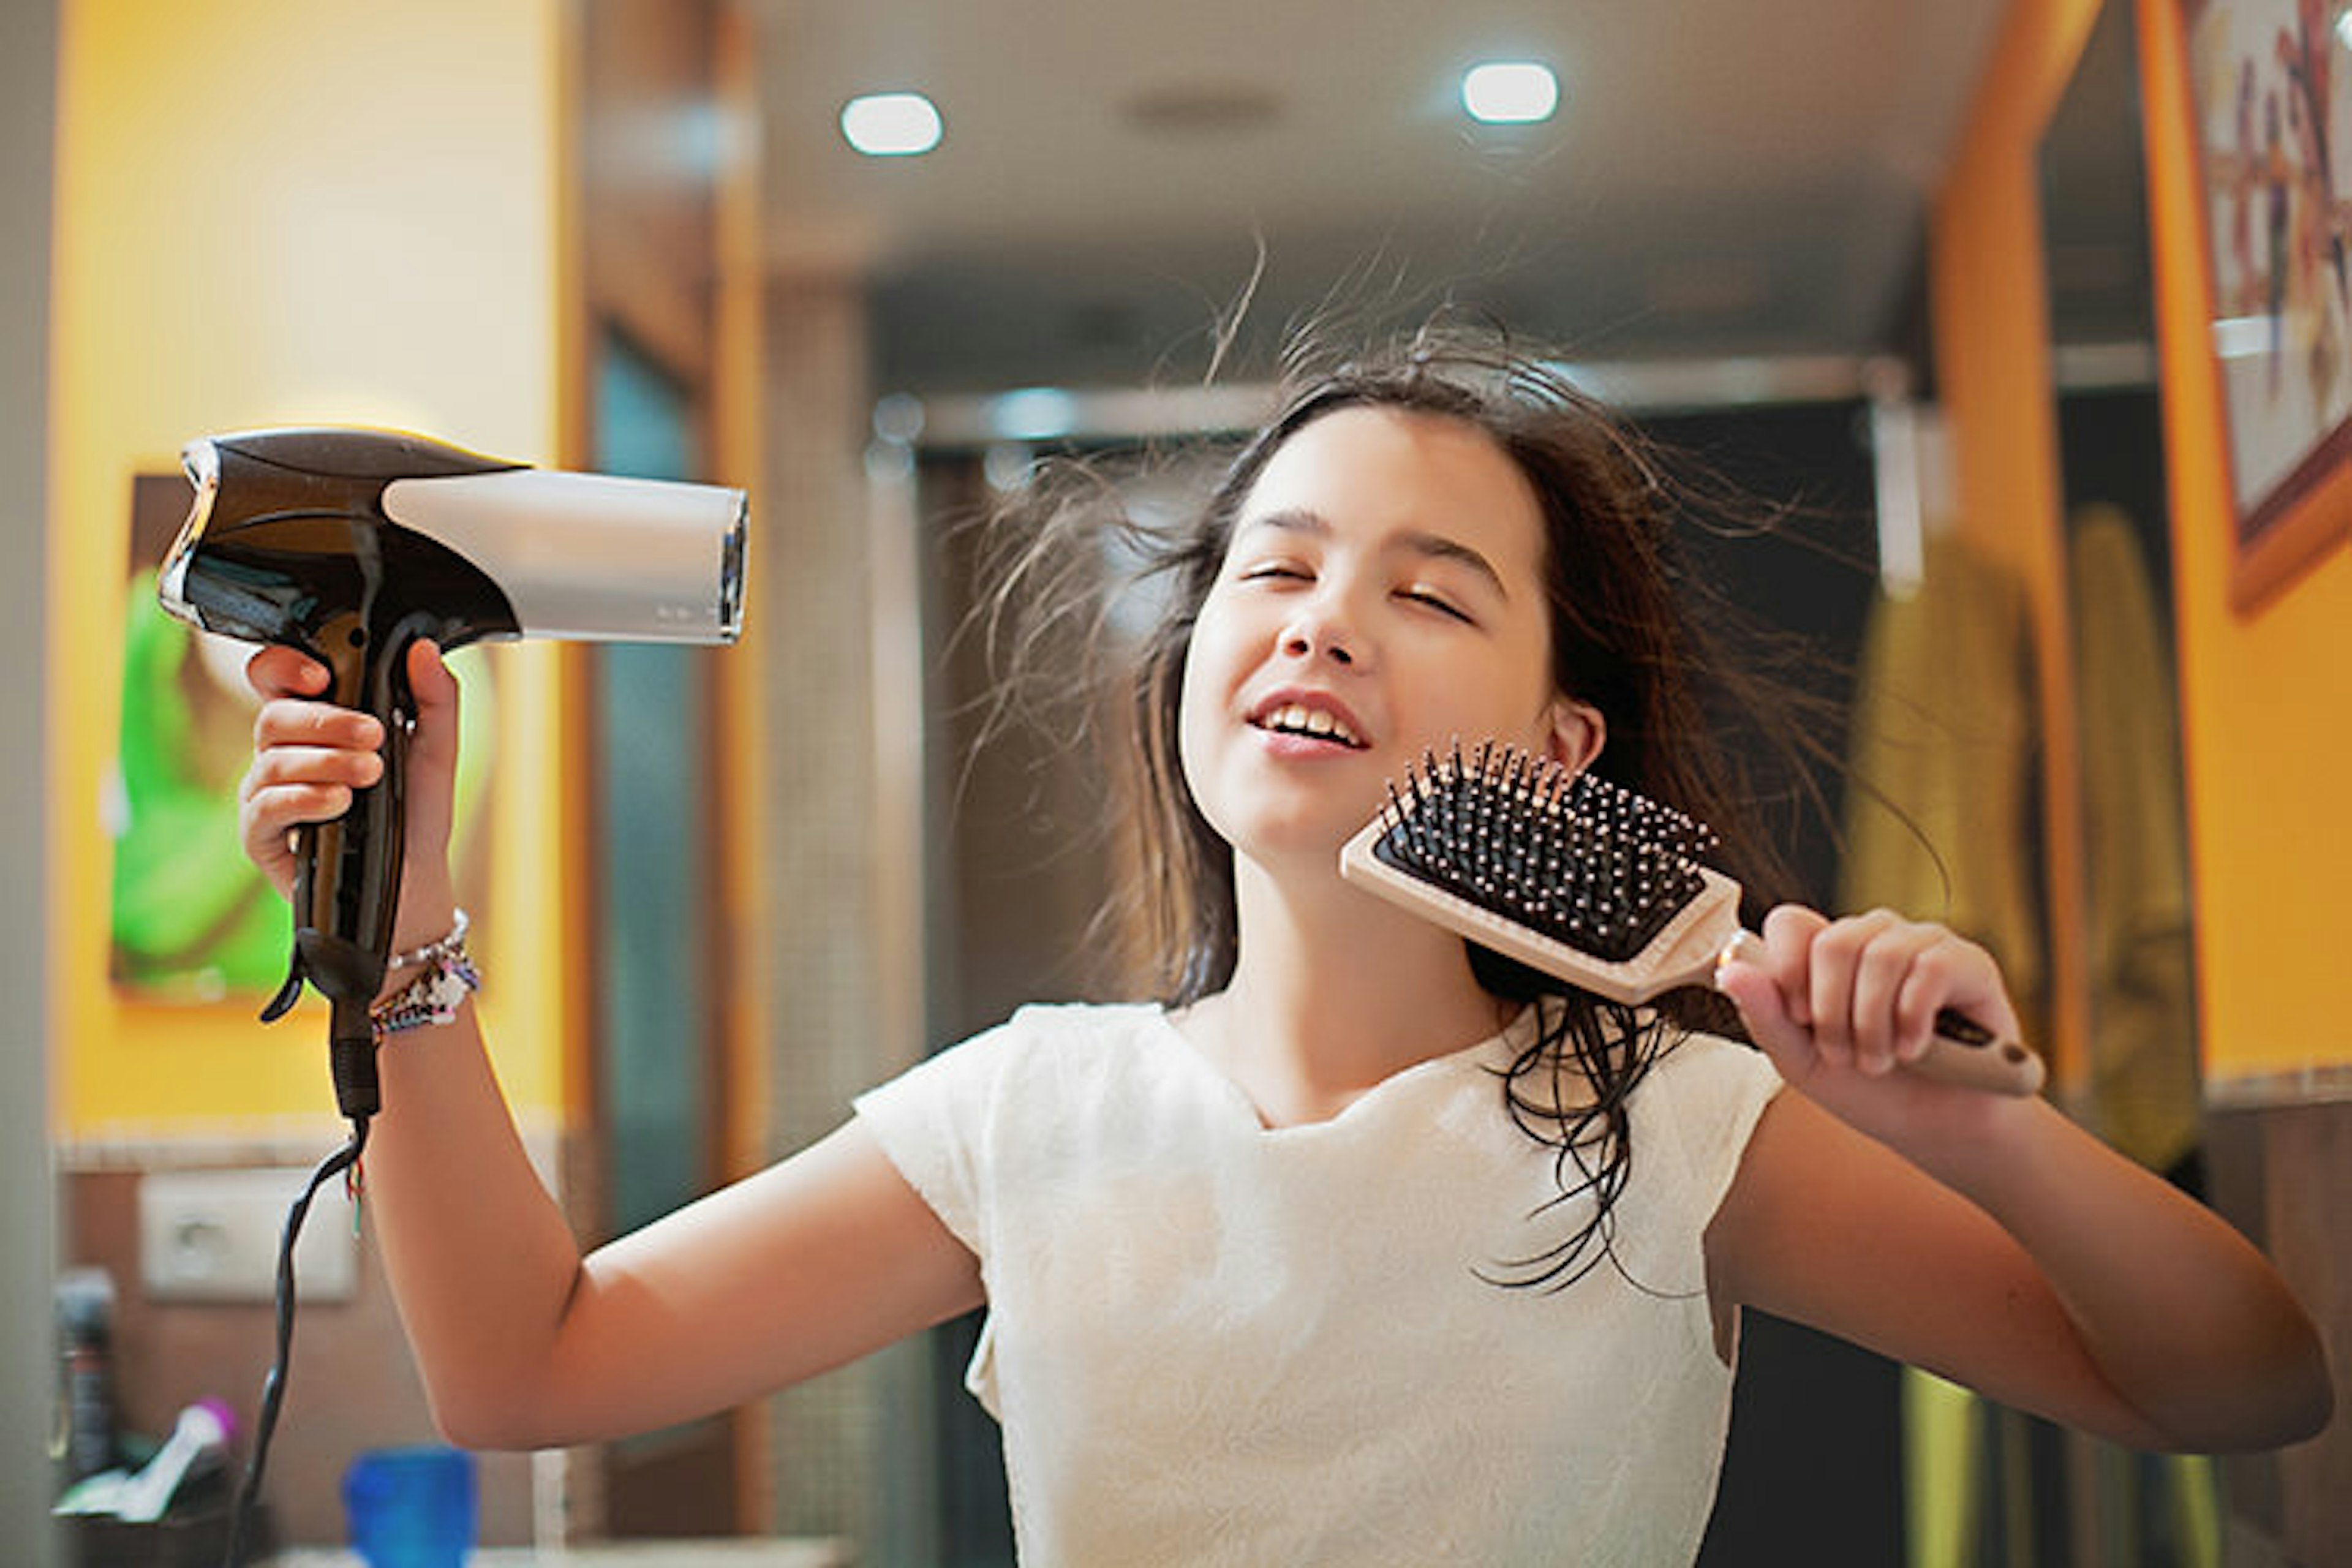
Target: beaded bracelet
{"type": "Point", "coordinates": [431, 951]}
{"type": "Point", "coordinates": [434, 996]}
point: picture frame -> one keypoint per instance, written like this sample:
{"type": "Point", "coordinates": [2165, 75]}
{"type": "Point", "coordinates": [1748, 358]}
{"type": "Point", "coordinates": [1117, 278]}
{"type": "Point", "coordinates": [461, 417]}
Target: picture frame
{"type": "Point", "coordinates": [2269, 96]}
{"type": "Point", "coordinates": [191, 921]}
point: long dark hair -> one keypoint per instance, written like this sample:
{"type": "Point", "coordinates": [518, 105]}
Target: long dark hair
{"type": "Point", "coordinates": [1633, 634]}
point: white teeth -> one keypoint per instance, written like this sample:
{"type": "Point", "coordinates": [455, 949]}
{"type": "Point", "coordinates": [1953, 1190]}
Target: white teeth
{"type": "Point", "coordinates": [1300, 719]}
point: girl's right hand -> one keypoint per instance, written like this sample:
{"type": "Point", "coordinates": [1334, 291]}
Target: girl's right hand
{"type": "Point", "coordinates": [310, 755]}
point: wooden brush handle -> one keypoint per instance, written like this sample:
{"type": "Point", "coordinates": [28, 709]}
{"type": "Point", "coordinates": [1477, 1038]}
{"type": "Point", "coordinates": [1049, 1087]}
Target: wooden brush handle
{"type": "Point", "coordinates": [1967, 1053]}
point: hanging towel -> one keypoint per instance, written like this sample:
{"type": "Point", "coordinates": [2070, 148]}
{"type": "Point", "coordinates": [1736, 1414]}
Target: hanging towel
{"type": "Point", "coordinates": [1943, 729]}
{"type": "Point", "coordinates": [2143, 1044]}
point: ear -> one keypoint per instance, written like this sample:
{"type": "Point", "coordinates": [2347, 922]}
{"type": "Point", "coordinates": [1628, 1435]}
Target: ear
{"type": "Point", "coordinates": [1578, 732]}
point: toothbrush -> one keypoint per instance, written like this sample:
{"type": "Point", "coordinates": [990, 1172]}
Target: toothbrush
{"type": "Point", "coordinates": [1594, 884]}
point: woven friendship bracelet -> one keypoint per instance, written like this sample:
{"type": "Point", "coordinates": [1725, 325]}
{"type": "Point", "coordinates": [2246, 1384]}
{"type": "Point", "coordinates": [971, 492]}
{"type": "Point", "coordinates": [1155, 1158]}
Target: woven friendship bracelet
{"type": "Point", "coordinates": [434, 996]}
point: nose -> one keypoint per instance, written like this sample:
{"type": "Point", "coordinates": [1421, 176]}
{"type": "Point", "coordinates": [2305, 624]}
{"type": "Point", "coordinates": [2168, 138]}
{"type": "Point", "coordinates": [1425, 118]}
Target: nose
{"type": "Point", "coordinates": [1319, 633]}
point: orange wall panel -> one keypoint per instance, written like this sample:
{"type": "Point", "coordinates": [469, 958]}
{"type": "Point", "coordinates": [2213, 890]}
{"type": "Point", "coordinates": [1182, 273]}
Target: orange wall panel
{"type": "Point", "coordinates": [1992, 371]}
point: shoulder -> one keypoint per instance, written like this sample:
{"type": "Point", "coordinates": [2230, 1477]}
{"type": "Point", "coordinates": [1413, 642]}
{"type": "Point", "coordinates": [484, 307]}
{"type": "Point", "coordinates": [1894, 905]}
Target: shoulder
{"type": "Point", "coordinates": [1704, 1089]}
{"type": "Point", "coordinates": [1698, 1091]}
{"type": "Point", "coordinates": [1049, 1030]}
{"type": "Point", "coordinates": [1693, 1117]}
{"type": "Point", "coordinates": [964, 1123]}
{"type": "Point", "coordinates": [1046, 1040]}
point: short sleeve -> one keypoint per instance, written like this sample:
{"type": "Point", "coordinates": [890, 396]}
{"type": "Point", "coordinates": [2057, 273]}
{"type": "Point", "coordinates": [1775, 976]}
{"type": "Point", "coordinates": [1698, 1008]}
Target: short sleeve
{"type": "Point", "coordinates": [1720, 1088]}
{"type": "Point", "coordinates": [932, 1122]}
{"type": "Point", "coordinates": [1692, 1119]}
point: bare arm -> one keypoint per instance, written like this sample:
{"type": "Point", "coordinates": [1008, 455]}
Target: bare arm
{"type": "Point", "coordinates": [523, 1343]}
{"type": "Point", "coordinates": [1987, 1238]}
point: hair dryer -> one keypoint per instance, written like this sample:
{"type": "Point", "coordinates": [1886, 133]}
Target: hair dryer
{"type": "Point", "coordinates": [349, 545]}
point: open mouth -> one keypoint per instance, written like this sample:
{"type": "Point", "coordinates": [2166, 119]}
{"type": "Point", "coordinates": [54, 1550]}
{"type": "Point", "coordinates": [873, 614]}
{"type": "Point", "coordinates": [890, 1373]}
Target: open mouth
{"type": "Point", "coordinates": [1315, 724]}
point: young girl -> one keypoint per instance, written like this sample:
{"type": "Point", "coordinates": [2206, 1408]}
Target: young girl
{"type": "Point", "coordinates": [1255, 1257]}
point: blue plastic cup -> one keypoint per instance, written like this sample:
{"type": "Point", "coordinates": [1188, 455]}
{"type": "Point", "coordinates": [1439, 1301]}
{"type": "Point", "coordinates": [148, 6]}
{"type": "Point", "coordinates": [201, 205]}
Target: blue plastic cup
{"type": "Point", "coordinates": [411, 1508]}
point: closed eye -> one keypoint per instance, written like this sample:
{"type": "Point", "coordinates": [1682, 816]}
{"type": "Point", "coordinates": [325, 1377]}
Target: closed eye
{"type": "Point", "coordinates": [1439, 603]}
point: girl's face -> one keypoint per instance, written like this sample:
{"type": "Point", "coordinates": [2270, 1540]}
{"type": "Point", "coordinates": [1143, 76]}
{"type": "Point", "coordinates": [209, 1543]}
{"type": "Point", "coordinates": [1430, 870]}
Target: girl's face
{"type": "Point", "coordinates": [1381, 596]}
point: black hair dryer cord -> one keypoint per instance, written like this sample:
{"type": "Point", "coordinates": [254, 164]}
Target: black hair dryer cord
{"type": "Point", "coordinates": [273, 1388]}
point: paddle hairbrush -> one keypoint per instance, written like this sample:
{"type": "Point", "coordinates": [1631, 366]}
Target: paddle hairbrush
{"type": "Point", "coordinates": [1593, 884]}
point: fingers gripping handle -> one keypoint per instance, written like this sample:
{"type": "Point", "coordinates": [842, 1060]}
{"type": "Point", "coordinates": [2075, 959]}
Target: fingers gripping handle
{"type": "Point", "coordinates": [1962, 1051]}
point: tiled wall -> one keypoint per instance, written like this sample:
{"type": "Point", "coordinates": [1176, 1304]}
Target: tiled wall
{"type": "Point", "coordinates": [351, 1385]}
{"type": "Point", "coordinates": [849, 1453]}
{"type": "Point", "coordinates": [2281, 1171]}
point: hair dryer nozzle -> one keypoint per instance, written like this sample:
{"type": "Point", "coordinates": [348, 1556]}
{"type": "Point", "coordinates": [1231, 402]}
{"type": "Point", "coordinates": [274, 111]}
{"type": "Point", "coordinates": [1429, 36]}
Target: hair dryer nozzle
{"type": "Point", "coordinates": [592, 556]}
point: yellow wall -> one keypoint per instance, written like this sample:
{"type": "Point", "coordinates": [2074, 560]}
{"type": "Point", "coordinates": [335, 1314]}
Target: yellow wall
{"type": "Point", "coordinates": [2265, 692]}
{"type": "Point", "coordinates": [281, 212]}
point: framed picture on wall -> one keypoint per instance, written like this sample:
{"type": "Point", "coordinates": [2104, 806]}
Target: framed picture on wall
{"type": "Point", "coordinates": [2270, 92]}
{"type": "Point", "coordinates": [189, 919]}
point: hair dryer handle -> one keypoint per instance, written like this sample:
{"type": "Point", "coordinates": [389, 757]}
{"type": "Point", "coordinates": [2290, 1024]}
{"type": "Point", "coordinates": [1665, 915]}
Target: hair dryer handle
{"type": "Point", "coordinates": [348, 871]}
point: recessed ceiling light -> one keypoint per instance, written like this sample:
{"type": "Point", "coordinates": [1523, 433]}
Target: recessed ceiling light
{"type": "Point", "coordinates": [1510, 92]}
{"type": "Point", "coordinates": [890, 124]}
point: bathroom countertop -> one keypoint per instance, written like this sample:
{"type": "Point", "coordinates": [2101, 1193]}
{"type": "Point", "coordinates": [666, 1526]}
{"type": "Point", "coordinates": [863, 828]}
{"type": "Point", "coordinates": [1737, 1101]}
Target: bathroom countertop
{"type": "Point", "coordinates": [739, 1553]}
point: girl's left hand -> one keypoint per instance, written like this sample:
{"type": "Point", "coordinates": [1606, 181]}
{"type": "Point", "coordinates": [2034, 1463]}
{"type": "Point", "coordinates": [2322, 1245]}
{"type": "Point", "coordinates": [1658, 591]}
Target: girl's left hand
{"type": "Point", "coordinates": [1839, 1006]}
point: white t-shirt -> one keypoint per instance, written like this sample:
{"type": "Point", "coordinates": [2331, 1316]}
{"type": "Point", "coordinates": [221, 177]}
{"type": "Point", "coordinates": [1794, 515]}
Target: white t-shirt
{"type": "Point", "coordinates": [1212, 1342]}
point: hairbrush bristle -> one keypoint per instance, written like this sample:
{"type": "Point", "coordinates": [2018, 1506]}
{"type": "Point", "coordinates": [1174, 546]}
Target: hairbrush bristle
{"type": "Point", "coordinates": [1581, 860]}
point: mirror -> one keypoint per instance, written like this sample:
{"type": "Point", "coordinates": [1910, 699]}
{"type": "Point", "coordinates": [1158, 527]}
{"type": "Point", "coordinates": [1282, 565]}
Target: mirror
{"type": "Point", "coordinates": [2142, 1089]}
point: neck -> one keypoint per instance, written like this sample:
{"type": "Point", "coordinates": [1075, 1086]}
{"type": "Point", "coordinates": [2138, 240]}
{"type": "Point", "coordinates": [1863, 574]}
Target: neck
{"type": "Point", "coordinates": [1334, 991]}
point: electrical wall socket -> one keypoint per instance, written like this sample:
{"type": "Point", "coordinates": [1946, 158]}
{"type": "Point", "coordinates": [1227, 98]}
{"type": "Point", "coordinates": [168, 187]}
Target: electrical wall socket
{"type": "Point", "coordinates": [213, 1235]}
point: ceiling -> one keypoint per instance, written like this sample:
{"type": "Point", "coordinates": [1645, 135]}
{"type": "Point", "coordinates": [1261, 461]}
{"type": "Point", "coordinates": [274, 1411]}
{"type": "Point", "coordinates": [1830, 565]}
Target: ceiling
{"type": "Point", "coordinates": [1723, 177]}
